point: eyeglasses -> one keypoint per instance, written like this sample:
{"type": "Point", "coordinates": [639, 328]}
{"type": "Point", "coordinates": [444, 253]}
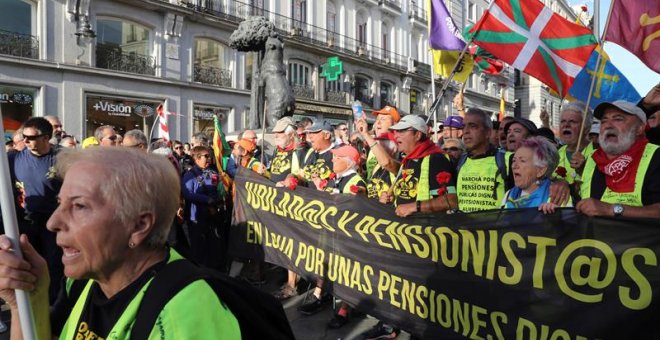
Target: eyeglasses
{"type": "Point", "coordinates": [113, 137]}
{"type": "Point", "coordinates": [452, 149]}
{"type": "Point", "coordinates": [32, 138]}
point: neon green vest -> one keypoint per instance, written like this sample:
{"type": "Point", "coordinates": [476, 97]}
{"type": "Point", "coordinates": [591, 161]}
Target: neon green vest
{"type": "Point", "coordinates": [633, 198]}
{"type": "Point", "coordinates": [355, 180]}
{"type": "Point", "coordinates": [372, 162]}
{"type": "Point", "coordinates": [565, 162]}
{"type": "Point", "coordinates": [477, 187]}
{"type": "Point", "coordinates": [177, 320]}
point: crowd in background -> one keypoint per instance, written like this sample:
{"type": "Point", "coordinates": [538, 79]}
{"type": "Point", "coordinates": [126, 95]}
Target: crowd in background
{"type": "Point", "coordinates": [601, 162]}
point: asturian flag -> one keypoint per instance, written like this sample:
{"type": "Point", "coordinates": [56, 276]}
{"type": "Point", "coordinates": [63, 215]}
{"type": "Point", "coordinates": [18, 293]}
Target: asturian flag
{"type": "Point", "coordinates": [610, 84]}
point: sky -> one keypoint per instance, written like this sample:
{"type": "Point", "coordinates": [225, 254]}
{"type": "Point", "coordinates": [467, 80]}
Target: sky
{"type": "Point", "coordinates": [642, 77]}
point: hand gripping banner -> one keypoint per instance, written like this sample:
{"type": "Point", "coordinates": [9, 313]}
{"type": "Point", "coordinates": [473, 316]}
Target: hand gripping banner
{"type": "Point", "coordinates": [508, 274]}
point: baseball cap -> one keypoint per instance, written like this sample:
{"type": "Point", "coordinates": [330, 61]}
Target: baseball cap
{"type": "Point", "coordinates": [347, 151]}
{"type": "Point", "coordinates": [89, 141]}
{"type": "Point", "coordinates": [454, 122]}
{"type": "Point", "coordinates": [282, 124]}
{"type": "Point", "coordinates": [321, 125]}
{"type": "Point", "coordinates": [389, 110]}
{"type": "Point", "coordinates": [625, 106]}
{"type": "Point", "coordinates": [247, 145]}
{"type": "Point", "coordinates": [528, 124]}
{"type": "Point", "coordinates": [410, 121]}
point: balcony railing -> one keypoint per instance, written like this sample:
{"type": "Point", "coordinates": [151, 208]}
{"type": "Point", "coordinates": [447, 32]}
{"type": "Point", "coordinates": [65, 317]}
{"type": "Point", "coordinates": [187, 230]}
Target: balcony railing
{"type": "Point", "coordinates": [212, 75]}
{"type": "Point", "coordinates": [336, 97]}
{"type": "Point", "coordinates": [423, 69]}
{"type": "Point", "coordinates": [417, 12]}
{"type": "Point", "coordinates": [305, 33]}
{"type": "Point", "coordinates": [303, 91]}
{"type": "Point", "coordinates": [112, 57]}
{"type": "Point", "coordinates": [19, 45]}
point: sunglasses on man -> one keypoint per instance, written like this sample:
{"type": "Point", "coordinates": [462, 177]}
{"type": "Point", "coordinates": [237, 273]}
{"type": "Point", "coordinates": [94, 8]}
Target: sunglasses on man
{"type": "Point", "coordinates": [32, 138]}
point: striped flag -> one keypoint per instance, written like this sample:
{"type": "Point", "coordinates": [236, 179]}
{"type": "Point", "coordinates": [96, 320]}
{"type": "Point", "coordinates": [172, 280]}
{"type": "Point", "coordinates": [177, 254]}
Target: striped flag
{"type": "Point", "coordinates": [221, 151]}
{"type": "Point", "coordinates": [163, 131]}
{"type": "Point", "coordinates": [534, 39]}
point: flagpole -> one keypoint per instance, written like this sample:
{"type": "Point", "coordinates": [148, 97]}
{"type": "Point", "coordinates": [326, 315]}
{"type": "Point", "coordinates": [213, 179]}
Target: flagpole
{"type": "Point", "coordinates": [435, 113]}
{"type": "Point", "coordinates": [11, 230]}
{"type": "Point", "coordinates": [601, 44]}
{"type": "Point", "coordinates": [436, 102]}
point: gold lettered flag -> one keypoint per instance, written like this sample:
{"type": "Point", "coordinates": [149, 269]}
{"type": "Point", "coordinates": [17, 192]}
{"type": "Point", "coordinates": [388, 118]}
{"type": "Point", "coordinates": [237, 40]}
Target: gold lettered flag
{"type": "Point", "coordinates": [444, 61]}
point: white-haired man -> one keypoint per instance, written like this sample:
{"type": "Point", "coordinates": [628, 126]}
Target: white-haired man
{"type": "Point", "coordinates": [571, 160]}
{"type": "Point", "coordinates": [620, 178]}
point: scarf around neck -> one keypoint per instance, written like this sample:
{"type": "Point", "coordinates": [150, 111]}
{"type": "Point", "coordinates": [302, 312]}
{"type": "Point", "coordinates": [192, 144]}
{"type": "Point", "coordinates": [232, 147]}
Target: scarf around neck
{"type": "Point", "coordinates": [621, 171]}
{"type": "Point", "coordinates": [422, 150]}
{"type": "Point", "coordinates": [534, 199]}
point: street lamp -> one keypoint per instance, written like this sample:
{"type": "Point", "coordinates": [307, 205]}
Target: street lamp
{"type": "Point", "coordinates": [84, 30]}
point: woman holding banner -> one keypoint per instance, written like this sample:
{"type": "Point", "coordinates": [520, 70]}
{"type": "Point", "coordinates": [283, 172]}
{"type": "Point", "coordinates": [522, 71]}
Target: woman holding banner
{"type": "Point", "coordinates": [115, 210]}
{"type": "Point", "coordinates": [533, 164]}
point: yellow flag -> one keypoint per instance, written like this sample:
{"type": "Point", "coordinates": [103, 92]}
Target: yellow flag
{"type": "Point", "coordinates": [444, 61]}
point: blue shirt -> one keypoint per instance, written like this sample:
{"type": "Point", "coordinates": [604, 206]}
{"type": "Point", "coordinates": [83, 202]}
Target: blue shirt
{"type": "Point", "coordinates": [198, 188]}
{"type": "Point", "coordinates": [37, 175]}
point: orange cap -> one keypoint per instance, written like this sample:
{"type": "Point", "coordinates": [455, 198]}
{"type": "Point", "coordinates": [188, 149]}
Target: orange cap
{"type": "Point", "coordinates": [247, 145]}
{"type": "Point", "coordinates": [347, 151]}
{"type": "Point", "coordinates": [389, 110]}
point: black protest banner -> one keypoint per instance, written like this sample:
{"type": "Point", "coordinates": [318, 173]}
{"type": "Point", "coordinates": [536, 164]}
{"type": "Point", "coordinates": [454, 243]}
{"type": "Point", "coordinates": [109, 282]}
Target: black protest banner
{"type": "Point", "coordinates": [493, 275]}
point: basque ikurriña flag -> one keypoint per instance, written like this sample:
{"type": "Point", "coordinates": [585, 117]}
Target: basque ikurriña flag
{"type": "Point", "coordinates": [635, 25]}
{"type": "Point", "coordinates": [534, 39]}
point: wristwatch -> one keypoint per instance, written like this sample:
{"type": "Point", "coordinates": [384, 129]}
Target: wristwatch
{"type": "Point", "coordinates": [617, 209]}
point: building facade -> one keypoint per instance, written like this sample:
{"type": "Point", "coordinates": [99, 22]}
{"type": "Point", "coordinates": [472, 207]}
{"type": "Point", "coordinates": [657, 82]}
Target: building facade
{"type": "Point", "coordinates": [97, 62]}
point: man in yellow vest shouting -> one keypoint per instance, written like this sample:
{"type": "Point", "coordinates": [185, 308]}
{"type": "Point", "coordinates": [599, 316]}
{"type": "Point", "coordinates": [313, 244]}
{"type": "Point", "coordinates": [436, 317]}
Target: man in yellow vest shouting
{"type": "Point", "coordinates": [426, 180]}
{"type": "Point", "coordinates": [621, 178]}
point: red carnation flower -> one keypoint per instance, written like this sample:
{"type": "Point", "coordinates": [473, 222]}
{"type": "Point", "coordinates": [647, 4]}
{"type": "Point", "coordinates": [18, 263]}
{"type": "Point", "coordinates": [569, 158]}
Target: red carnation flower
{"type": "Point", "coordinates": [332, 175]}
{"type": "Point", "coordinates": [561, 171]}
{"type": "Point", "coordinates": [443, 177]}
{"type": "Point", "coordinates": [293, 183]}
{"type": "Point", "coordinates": [323, 184]}
{"type": "Point", "coordinates": [442, 191]}
{"type": "Point", "coordinates": [214, 179]}
{"type": "Point", "coordinates": [355, 189]}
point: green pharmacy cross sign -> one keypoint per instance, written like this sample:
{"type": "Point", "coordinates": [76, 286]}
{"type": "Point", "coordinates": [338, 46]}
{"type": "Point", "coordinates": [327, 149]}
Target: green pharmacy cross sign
{"type": "Point", "coordinates": [332, 69]}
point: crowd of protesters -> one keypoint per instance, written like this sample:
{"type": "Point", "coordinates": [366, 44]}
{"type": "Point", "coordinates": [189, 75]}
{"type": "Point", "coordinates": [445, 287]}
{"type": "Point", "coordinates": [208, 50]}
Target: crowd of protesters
{"type": "Point", "coordinates": [604, 167]}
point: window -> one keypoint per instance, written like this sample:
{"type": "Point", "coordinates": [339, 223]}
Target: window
{"type": "Point", "coordinates": [17, 106]}
{"type": "Point", "coordinates": [472, 12]}
{"type": "Point", "coordinates": [203, 118]}
{"type": "Point", "coordinates": [16, 29]}
{"type": "Point", "coordinates": [257, 7]}
{"type": "Point", "coordinates": [123, 113]}
{"type": "Point", "coordinates": [415, 101]}
{"type": "Point", "coordinates": [363, 90]}
{"type": "Point", "coordinates": [385, 42]}
{"type": "Point", "coordinates": [386, 94]}
{"type": "Point", "coordinates": [248, 70]}
{"type": "Point", "coordinates": [210, 63]}
{"type": "Point", "coordinates": [299, 74]}
{"type": "Point", "coordinates": [362, 33]}
{"type": "Point", "coordinates": [299, 13]}
{"type": "Point", "coordinates": [123, 46]}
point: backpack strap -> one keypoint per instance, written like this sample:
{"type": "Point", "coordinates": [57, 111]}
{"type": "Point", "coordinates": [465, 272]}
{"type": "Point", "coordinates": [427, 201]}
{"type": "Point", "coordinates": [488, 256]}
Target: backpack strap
{"type": "Point", "coordinates": [259, 315]}
{"type": "Point", "coordinates": [165, 285]}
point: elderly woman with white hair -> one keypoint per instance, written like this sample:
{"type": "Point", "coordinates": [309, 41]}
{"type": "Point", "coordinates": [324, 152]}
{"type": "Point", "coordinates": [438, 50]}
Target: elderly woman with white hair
{"type": "Point", "coordinates": [532, 168]}
{"type": "Point", "coordinates": [112, 249]}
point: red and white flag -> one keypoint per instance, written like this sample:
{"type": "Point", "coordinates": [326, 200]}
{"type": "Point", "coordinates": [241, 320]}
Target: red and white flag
{"type": "Point", "coordinates": [163, 131]}
{"type": "Point", "coordinates": [635, 26]}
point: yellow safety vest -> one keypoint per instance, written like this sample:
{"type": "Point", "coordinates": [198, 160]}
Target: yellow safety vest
{"type": "Point", "coordinates": [565, 162]}
{"type": "Point", "coordinates": [633, 198]}
{"type": "Point", "coordinates": [423, 187]}
{"type": "Point", "coordinates": [477, 186]}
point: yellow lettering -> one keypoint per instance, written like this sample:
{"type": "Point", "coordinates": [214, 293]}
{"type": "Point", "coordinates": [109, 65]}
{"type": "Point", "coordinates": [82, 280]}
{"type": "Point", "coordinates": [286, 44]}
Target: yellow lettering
{"type": "Point", "coordinates": [645, 289]}
{"type": "Point", "coordinates": [510, 255]}
{"type": "Point", "coordinates": [542, 243]}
